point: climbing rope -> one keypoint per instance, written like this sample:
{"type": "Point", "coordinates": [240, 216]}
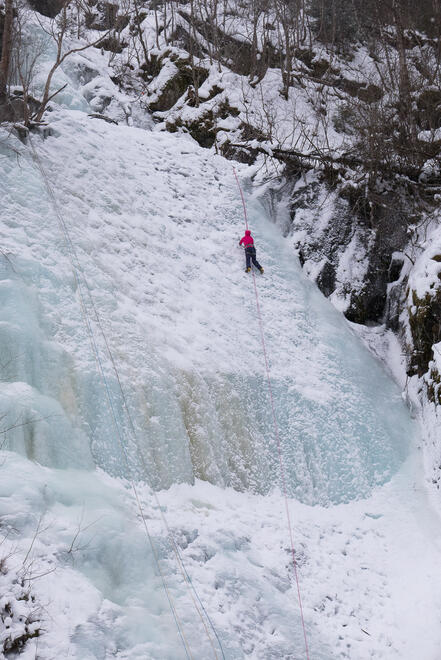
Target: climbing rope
{"type": "Point", "coordinates": [276, 432]}
{"type": "Point", "coordinates": [78, 272]}
{"type": "Point", "coordinates": [178, 556]}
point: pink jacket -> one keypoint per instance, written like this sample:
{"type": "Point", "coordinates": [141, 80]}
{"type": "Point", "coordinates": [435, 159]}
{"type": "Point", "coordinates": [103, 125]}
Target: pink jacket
{"type": "Point", "coordinates": [247, 240]}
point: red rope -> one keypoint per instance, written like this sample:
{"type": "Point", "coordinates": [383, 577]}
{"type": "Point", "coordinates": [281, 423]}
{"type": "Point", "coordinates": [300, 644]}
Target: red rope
{"type": "Point", "coordinates": [243, 198]}
{"type": "Point", "coordinates": [276, 428]}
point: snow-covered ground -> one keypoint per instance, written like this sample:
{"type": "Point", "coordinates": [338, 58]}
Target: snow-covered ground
{"type": "Point", "coordinates": [152, 224]}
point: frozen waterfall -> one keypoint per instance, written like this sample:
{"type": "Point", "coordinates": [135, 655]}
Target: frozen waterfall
{"type": "Point", "coordinates": [154, 222]}
{"type": "Point", "coordinates": [158, 252]}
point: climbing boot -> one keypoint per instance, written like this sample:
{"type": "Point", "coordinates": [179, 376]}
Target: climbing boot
{"type": "Point", "coordinates": [261, 270]}
{"type": "Point", "coordinates": [247, 270]}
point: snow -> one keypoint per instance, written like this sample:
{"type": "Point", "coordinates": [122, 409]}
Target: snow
{"type": "Point", "coordinates": [352, 268]}
{"type": "Point", "coordinates": [154, 221]}
{"type": "Point", "coordinates": [425, 273]}
{"type": "Point", "coordinates": [423, 285]}
{"type": "Point", "coordinates": [367, 573]}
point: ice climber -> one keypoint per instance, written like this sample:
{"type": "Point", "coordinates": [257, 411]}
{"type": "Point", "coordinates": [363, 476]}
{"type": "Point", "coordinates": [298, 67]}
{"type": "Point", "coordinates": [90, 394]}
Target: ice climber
{"type": "Point", "coordinates": [250, 251]}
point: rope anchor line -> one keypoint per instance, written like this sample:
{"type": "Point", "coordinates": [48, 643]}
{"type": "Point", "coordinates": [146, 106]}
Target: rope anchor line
{"type": "Point", "coordinates": [82, 283]}
{"type": "Point", "coordinates": [276, 433]}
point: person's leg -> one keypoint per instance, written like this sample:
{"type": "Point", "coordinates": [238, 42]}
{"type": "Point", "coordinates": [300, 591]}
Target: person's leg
{"type": "Point", "coordinates": [255, 262]}
{"type": "Point", "coordinates": [248, 257]}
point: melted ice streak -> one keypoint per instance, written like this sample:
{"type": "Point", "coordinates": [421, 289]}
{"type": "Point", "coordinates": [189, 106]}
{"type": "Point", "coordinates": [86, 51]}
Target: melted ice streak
{"type": "Point", "coordinates": [155, 223]}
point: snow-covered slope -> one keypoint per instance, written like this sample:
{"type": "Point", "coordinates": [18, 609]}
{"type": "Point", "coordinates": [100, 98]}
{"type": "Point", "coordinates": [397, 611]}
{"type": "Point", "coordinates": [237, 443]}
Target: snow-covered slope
{"type": "Point", "coordinates": [151, 223]}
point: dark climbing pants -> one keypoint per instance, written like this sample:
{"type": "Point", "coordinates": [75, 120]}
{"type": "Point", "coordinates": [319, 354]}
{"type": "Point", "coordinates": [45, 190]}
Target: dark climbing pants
{"type": "Point", "coordinates": [250, 256]}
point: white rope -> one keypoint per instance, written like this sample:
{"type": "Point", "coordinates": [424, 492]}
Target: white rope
{"type": "Point", "coordinates": [77, 270]}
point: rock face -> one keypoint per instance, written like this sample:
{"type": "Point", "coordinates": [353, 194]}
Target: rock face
{"type": "Point", "coordinates": [425, 326]}
{"type": "Point", "coordinates": [50, 8]}
{"type": "Point", "coordinates": [378, 264]}
{"type": "Point", "coordinates": [388, 231]}
{"type": "Point", "coordinates": [12, 110]}
{"type": "Point", "coordinates": [234, 53]}
{"type": "Point", "coordinates": [179, 79]}
{"type": "Point", "coordinates": [104, 16]}
{"type": "Point", "coordinates": [348, 248]}
{"type": "Point", "coordinates": [395, 288]}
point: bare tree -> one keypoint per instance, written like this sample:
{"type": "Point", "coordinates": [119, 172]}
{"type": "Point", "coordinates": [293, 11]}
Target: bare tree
{"type": "Point", "coordinates": [27, 51]}
{"type": "Point", "coordinates": [138, 33]}
{"type": "Point", "coordinates": [6, 50]}
{"type": "Point", "coordinates": [286, 16]}
{"type": "Point", "coordinates": [193, 47]}
{"type": "Point", "coordinates": [63, 26]}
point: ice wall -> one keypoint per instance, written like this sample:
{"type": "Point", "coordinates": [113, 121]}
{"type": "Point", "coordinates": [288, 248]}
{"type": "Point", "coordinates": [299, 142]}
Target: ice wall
{"type": "Point", "coordinates": [154, 223]}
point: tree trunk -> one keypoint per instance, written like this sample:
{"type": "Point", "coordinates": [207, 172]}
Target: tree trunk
{"type": "Point", "coordinates": [405, 109]}
{"type": "Point", "coordinates": [6, 50]}
{"type": "Point", "coordinates": [194, 68]}
{"type": "Point", "coordinates": [254, 43]}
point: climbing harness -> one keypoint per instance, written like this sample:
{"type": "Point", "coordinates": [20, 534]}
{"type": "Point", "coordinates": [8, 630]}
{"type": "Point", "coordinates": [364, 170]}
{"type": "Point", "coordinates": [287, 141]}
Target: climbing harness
{"type": "Point", "coordinates": [276, 432]}
{"type": "Point", "coordinates": [81, 279]}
